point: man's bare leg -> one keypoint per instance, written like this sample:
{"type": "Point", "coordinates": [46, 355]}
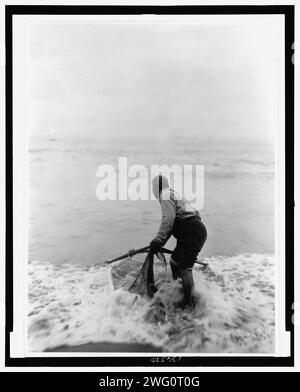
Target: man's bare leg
{"type": "Point", "coordinates": [187, 282]}
{"type": "Point", "coordinates": [188, 286]}
{"type": "Point", "coordinates": [174, 268]}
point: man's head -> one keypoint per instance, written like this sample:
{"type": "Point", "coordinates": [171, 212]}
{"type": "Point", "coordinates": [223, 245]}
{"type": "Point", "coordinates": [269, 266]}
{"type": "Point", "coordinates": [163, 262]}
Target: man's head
{"type": "Point", "coordinates": [158, 184]}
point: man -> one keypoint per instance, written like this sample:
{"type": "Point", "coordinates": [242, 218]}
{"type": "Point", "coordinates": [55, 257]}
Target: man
{"type": "Point", "coordinates": [183, 221]}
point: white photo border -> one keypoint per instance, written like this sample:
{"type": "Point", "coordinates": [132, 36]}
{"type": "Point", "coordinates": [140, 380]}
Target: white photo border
{"type": "Point", "coordinates": [16, 245]}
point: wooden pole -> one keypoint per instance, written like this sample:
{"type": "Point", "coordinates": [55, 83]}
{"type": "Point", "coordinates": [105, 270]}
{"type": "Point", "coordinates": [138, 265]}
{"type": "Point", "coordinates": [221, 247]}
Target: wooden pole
{"type": "Point", "coordinates": [145, 249]}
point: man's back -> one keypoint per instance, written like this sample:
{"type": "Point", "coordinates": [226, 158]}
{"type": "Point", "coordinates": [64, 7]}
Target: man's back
{"type": "Point", "coordinates": [173, 206]}
{"type": "Point", "coordinates": [183, 209]}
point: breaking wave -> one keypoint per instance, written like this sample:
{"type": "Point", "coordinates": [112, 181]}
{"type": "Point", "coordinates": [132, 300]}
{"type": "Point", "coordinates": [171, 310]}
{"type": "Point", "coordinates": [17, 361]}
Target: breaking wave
{"type": "Point", "coordinates": [73, 304]}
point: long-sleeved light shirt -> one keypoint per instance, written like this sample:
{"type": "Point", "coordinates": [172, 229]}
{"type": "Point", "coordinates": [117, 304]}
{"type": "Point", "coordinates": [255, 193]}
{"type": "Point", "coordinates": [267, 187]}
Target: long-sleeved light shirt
{"type": "Point", "coordinates": [173, 206]}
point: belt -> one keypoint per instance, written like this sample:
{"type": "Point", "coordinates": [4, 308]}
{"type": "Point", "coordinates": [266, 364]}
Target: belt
{"type": "Point", "coordinates": [184, 219]}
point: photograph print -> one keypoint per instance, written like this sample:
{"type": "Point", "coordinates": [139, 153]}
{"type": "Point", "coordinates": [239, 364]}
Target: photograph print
{"type": "Point", "coordinates": [154, 179]}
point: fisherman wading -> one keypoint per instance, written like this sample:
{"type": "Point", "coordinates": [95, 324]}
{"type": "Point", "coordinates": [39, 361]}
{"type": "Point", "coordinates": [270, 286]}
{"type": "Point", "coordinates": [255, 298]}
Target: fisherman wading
{"type": "Point", "coordinates": [182, 221]}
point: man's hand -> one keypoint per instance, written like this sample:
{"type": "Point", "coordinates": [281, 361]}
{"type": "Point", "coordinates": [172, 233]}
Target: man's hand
{"type": "Point", "coordinates": [155, 246]}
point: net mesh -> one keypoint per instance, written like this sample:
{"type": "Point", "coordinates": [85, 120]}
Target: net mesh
{"type": "Point", "coordinates": [144, 282]}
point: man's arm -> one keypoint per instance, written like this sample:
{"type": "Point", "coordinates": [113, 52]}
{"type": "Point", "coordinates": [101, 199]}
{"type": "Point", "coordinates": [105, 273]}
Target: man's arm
{"type": "Point", "coordinates": [168, 208]}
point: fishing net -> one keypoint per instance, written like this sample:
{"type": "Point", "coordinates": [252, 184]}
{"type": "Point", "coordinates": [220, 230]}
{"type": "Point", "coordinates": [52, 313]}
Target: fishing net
{"type": "Point", "coordinates": [144, 282]}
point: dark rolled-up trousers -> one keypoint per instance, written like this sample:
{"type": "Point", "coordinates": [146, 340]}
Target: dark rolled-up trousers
{"type": "Point", "coordinates": [191, 235]}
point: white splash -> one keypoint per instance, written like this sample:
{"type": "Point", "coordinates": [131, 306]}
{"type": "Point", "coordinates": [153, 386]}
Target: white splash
{"type": "Point", "coordinates": [72, 305]}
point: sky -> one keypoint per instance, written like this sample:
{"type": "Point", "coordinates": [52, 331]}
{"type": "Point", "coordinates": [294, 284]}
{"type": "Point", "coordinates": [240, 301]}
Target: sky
{"type": "Point", "coordinates": [153, 79]}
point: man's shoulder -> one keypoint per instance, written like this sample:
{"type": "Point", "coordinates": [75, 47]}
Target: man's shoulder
{"type": "Point", "coordinates": [167, 194]}
{"type": "Point", "coordinates": [170, 194]}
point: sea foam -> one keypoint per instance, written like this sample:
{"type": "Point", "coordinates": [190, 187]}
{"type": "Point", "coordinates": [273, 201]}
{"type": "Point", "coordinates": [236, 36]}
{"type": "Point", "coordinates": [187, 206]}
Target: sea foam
{"type": "Point", "coordinates": [74, 304]}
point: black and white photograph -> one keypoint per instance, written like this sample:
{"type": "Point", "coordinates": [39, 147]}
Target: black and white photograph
{"type": "Point", "coordinates": [150, 151]}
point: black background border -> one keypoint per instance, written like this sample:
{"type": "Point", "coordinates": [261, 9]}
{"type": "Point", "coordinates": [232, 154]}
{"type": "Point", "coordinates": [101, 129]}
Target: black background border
{"type": "Point", "coordinates": [233, 361]}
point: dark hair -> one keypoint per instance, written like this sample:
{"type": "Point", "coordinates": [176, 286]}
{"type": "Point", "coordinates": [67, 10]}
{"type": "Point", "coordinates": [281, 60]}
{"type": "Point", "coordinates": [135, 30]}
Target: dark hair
{"type": "Point", "coordinates": [159, 183]}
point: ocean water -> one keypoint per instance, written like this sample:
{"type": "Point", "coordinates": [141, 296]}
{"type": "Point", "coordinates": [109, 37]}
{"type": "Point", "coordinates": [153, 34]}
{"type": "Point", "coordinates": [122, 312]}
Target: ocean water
{"type": "Point", "coordinates": [67, 223]}
{"type": "Point", "coordinates": [72, 300]}
{"type": "Point", "coordinates": [72, 305]}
